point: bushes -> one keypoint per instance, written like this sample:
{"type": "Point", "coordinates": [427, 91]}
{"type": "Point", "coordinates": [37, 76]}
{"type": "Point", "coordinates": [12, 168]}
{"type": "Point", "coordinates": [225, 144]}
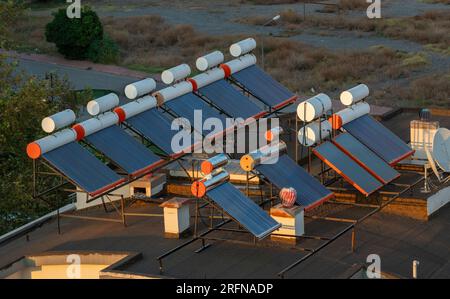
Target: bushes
{"type": "Point", "coordinates": [103, 51]}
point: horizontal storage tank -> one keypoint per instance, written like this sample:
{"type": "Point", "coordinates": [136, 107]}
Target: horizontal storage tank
{"type": "Point", "coordinates": [262, 155]}
{"type": "Point", "coordinates": [58, 120]}
{"type": "Point", "coordinates": [209, 61]}
{"type": "Point", "coordinates": [208, 166]}
{"type": "Point", "coordinates": [314, 107]}
{"type": "Point", "coordinates": [140, 88]}
{"type": "Point", "coordinates": [354, 95]}
{"type": "Point", "coordinates": [95, 124]}
{"type": "Point", "coordinates": [172, 92]}
{"type": "Point", "coordinates": [102, 104]}
{"type": "Point", "coordinates": [243, 47]}
{"type": "Point", "coordinates": [44, 145]}
{"type": "Point", "coordinates": [239, 64]}
{"type": "Point", "coordinates": [199, 188]}
{"type": "Point", "coordinates": [273, 134]}
{"type": "Point", "coordinates": [348, 114]}
{"type": "Point", "coordinates": [176, 73]}
{"type": "Point", "coordinates": [208, 77]}
{"type": "Point", "coordinates": [314, 132]}
{"type": "Point", "coordinates": [134, 108]}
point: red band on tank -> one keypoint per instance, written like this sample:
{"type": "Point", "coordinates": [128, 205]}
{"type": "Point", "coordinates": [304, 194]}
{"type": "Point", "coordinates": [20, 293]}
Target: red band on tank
{"type": "Point", "coordinates": [33, 150]}
{"type": "Point", "coordinates": [226, 69]}
{"type": "Point", "coordinates": [79, 130]}
{"type": "Point", "coordinates": [194, 84]}
{"type": "Point", "coordinates": [336, 121]}
{"type": "Point", "coordinates": [121, 114]}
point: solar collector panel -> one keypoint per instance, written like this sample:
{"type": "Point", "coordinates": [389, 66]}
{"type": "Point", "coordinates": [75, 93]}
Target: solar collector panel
{"type": "Point", "coordinates": [263, 86]}
{"type": "Point", "coordinates": [243, 210]}
{"type": "Point", "coordinates": [123, 149]}
{"type": "Point", "coordinates": [366, 158]}
{"type": "Point", "coordinates": [83, 168]}
{"type": "Point", "coordinates": [230, 100]}
{"type": "Point", "coordinates": [286, 173]}
{"type": "Point", "coordinates": [351, 171]}
{"type": "Point", "coordinates": [379, 139]}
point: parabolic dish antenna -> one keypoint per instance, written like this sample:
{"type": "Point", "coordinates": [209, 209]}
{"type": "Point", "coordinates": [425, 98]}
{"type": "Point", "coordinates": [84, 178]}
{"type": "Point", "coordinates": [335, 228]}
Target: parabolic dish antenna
{"type": "Point", "coordinates": [441, 148]}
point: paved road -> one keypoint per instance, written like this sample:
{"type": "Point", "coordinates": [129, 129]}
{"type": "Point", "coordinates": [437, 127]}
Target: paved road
{"type": "Point", "coordinates": [80, 78]}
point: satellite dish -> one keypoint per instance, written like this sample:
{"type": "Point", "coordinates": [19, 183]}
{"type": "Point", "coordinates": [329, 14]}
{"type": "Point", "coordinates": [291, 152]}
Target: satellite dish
{"type": "Point", "coordinates": [441, 148]}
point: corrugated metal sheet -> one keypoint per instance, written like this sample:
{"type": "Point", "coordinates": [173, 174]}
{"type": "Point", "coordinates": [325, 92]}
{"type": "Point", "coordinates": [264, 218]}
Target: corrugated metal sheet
{"type": "Point", "coordinates": [243, 210]}
{"type": "Point", "coordinates": [366, 158]}
{"type": "Point", "coordinates": [286, 173]}
{"type": "Point", "coordinates": [230, 100]}
{"type": "Point", "coordinates": [379, 139]}
{"type": "Point", "coordinates": [263, 86]}
{"type": "Point", "coordinates": [186, 105]}
{"type": "Point", "coordinates": [154, 126]}
{"type": "Point", "coordinates": [347, 168]}
{"type": "Point", "coordinates": [83, 168]}
{"type": "Point", "coordinates": [122, 149]}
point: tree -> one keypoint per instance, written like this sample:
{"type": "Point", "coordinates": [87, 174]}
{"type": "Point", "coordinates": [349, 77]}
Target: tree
{"type": "Point", "coordinates": [10, 12]}
{"type": "Point", "coordinates": [73, 37]}
{"type": "Point", "coordinates": [24, 101]}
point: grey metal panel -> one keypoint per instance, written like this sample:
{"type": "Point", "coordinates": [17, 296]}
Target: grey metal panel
{"type": "Point", "coordinates": [154, 126]}
{"type": "Point", "coordinates": [347, 168]}
{"type": "Point", "coordinates": [230, 100]}
{"type": "Point", "coordinates": [81, 167]}
{"type": "Point", "coordinates": [286, 173]}
{"type": "Point", "coordinates": [366, 158]}
{"type": "Point", "coordinates": [243, 210]}
{"type": "Point", "coordinates": [122, 149]}
{"type": "Point", "coordinates": [186, 106]}
{"type": "Point", "coordinates": [263, 86]}
{"type": "Point", "coordinates": [379, 139]}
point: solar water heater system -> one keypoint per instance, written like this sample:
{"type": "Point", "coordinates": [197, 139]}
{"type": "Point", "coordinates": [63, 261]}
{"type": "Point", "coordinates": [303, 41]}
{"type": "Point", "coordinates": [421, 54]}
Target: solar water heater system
{"type": "Point", "coordinates": [233, 202]}
{"type": "Point", "coordinates": [279, 169]}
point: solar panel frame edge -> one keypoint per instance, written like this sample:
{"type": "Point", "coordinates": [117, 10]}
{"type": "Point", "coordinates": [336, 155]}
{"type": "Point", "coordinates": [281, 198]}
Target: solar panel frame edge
{"type": "Point", "coordinates": [350, 181]}
{"type": "Point", "coordinates": [363, 165]}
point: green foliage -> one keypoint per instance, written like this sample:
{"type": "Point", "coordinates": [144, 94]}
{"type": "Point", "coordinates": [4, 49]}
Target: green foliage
{"type": "Point", "coordinates": [73, 37]}
{"type": "Point", "coordinates": [103, 51]}
{"type": "Point", "coordinates": [10, 12]}
{"type": "Point", "coordinates": [24, 101]}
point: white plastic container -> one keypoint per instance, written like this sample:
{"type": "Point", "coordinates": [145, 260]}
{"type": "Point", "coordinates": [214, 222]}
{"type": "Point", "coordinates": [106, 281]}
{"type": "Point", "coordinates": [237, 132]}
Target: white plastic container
{"type": "Point", "coordinates": [176, 73]}
{"type": "Point", "coordinates": [101, 122]}
{"type": "Point", "coordinates": [314, 107]}
{"type": "Point", "coordinates": [209, 61]}
{"type": "Point", "coordinates": [208, 77]}
{"type": "Point", "coordinates": [314, 132]}
{"type": "Point", "coordinates": [243, 47]}
{"type": "Point", "coordinates": [102, 104]}
{"type": "Point", "coordinates": [58, 121]}
{"type": "Point", "coordinates": [349, 114]}
{"type": "Point", "coordinates": [140, 88]}
{"type": "Point", "coordinates": [354, 95]}
{"type": "Point", "coordinates": [44, 145]}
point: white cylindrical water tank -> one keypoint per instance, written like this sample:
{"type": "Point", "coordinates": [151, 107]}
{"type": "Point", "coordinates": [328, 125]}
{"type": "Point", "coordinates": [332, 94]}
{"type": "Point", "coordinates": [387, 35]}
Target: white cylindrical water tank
{"type": "Point", "coordinates": [176, 73]}
{"type": "Point", "coordinates": [140, 88]}
{"type": "Point", "coordinates": [96, 124]}
{"type": "Point", "coordinates": [58, 121]}
{"type": "Point", "coordinates": [172, 92]}
{"type": "Point", "coordinates": [354, 95]}
{"type": "Point", "coordinates": [208, 77]}
{"type": "Point", "coordinates": [314, 107]}
{"type": "Point", "coordinates": [134, 108]}
{"type": "Point", "coordinates": [209, 61]}
{"type": "Point", "coordinates": [242, 47]}
{"type": "Point", "coordinates": [44, 145]}
{"type": "Point", "coordinates": [348, 114]}
{"type": "Point", "coordinates": [314, 133]}
{"type": "Point", "coordinates": [102, 104]}
{"type": "Point", "coordinates": [241, 63]}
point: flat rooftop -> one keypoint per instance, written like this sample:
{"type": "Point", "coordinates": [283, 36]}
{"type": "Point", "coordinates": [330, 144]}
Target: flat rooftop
{"type": "Point", "coordinates": [396, 239]}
